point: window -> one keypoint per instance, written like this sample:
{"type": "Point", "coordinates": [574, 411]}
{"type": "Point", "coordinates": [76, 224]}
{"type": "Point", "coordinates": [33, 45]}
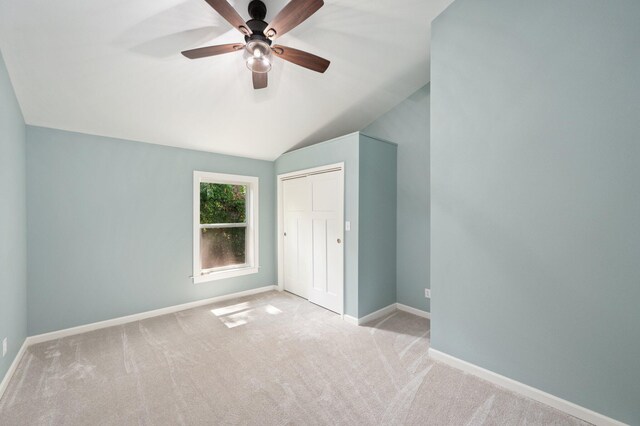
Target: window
{"type": "Point", "coordinates": [225, 238]}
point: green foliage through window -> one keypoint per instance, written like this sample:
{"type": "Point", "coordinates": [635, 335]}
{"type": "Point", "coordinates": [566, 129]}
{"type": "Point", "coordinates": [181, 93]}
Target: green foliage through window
{"type": "Point", "coordinates": [222, 247]}
{"type": "Point", "coordinates": [222, 203]}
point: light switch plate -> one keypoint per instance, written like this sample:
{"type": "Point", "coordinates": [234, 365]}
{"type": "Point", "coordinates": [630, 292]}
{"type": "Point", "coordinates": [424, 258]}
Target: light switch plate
{"type": "Point", "coordinates": [347, 226]}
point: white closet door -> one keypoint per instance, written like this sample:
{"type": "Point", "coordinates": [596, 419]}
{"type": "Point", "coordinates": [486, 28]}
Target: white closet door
{"type": "Point", "coordinates": [297, 236]}
{"type": "Point", "coordinates": [313, 245]}
{"type": "Point", "coordinates": [326, 286]}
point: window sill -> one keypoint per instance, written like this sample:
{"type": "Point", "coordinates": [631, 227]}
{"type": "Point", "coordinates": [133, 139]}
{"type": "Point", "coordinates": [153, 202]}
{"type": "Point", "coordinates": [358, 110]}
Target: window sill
{"type": "Point", "coordinates": [221, 275]}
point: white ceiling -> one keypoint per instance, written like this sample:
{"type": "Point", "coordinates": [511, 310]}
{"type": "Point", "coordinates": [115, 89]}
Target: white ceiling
{"type": "Point", "coordinates": [114, 68]}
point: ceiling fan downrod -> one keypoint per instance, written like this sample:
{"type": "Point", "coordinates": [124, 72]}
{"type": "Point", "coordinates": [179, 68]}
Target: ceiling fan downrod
{"type": "Point", "coordinates": [257, 11]}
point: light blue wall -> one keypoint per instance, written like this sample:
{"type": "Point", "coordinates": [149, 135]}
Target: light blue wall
{"type": "Point", "coordinates": [408, 126]}
{"type": "Point", "coordinates": [110, 227]}
{"type": "Point", "coordinates": [13, 223]}
{"type": "Point", "coordinates": [535, 177]}
{"type": "Point", "coordinates": [377, 236]}
{"type": "Point", "coordinates": [344, 149]}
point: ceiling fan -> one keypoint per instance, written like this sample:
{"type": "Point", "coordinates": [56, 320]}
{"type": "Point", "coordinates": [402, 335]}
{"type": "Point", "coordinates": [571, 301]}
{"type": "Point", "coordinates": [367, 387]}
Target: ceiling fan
{"type": "Point", "coordinates": [259, 36]}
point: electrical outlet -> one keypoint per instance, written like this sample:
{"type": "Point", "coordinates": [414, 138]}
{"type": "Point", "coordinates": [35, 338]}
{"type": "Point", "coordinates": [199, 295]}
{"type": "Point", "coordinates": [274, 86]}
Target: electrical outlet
{"type": "Point", "coordinates": [427, 293]}
{"type": "Point", "coordinates": [347, 226]}
{"type": "Point", "coordinates": [4, 347]}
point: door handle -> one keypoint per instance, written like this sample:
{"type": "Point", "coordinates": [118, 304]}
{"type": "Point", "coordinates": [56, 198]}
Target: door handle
{"type": "Point", "coordinates": [339, 240]}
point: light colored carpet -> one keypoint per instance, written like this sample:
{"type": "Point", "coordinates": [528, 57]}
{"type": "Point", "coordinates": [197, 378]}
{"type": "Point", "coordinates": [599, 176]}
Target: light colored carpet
{"type": "Point", "coordinates": [271, 359]}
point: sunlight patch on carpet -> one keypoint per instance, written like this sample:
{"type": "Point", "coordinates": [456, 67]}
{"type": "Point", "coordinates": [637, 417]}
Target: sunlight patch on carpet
{"type": "Point", "coordinates": [243, 313]}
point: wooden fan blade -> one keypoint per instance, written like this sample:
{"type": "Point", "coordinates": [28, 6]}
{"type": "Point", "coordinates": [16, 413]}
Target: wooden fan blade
{"type": "Point", "coordinates": [293, 14]}
{"type": "Point", "coordinates": [260, 80]}
{"type": "Point", "coordinates": [230, 14]}
{"type": "Point", "coordinates": [299, 57]}
{"type": "Point", "coordinates": [203, 52]}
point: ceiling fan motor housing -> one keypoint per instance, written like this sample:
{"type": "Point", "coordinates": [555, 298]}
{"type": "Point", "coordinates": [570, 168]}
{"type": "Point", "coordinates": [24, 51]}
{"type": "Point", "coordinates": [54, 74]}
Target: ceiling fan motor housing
{"type": "Point", "coordinates": [257, 11]}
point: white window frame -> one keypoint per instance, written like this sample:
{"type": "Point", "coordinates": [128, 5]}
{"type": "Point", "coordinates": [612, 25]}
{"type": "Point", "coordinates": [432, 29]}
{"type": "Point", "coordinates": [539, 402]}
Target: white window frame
{"type": "Point", "coordinates": [252, 264]}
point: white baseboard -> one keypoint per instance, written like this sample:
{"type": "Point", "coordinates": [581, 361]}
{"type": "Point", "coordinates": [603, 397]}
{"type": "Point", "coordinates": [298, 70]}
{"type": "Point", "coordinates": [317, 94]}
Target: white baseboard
{"type": "Point", "coordinates": [525, 390]}
{"type": "Point", "coordinates": [384, 312]}
{"type": "Point", "coordinates": [32, 340]}
{"type": "Point", "coordinates": [350, 319]}
{"type": "Point", "coordinates": [12, 369]}
{"type": "Point", "coordinates": [377, 314]}
{"type": "Point", "coordinates": [414, 311]}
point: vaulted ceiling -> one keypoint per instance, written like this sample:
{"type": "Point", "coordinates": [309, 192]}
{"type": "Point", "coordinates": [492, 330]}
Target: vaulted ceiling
{"type": "Point", "coordinates": [114, 68]}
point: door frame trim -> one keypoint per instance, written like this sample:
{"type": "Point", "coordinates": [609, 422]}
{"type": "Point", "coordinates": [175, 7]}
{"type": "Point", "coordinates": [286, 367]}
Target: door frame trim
{"type": "Point", "coordinates": [280, 227]}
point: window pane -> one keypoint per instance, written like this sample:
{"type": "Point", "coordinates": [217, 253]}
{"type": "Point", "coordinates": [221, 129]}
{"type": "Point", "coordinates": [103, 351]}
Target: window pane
{"type": "Point", "coordinates": [222, 247]}
{"type": "Point", "coordinates": [223, 203]}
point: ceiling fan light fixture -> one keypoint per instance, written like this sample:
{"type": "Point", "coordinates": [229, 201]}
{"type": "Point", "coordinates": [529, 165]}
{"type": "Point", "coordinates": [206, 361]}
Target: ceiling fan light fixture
{"type": "Point", "coordinates": [258, 56]}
